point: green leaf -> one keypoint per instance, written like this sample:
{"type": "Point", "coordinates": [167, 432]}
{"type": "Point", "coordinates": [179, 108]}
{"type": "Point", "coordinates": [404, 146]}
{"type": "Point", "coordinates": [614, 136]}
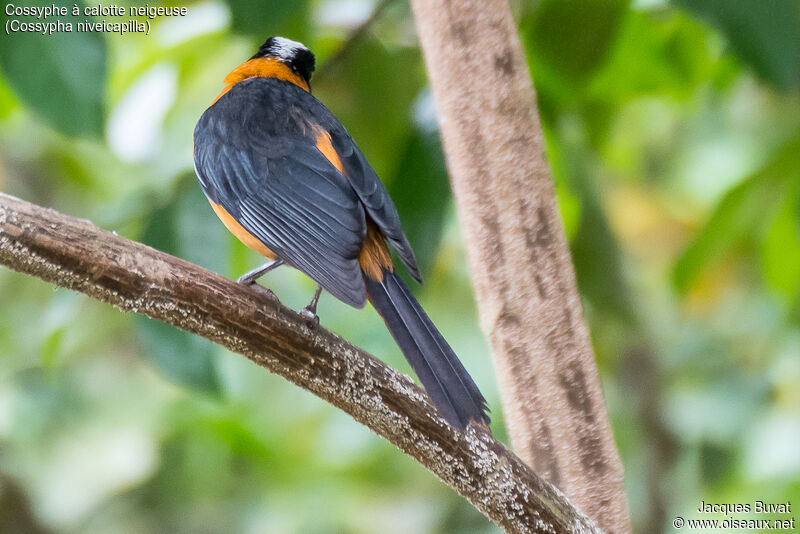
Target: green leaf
{"type": "Point", "coordinates": [421, 191]}
{"type": "Point", "coordinates": [270, 17]}
{"type": "Point", "coordinates": [666, 54]}
{"type": "Point", "coordinates": [60, 77]}
{"type": "Point", "coordinates": [797, 214]}
{"type": "Point", "coordinates": [161, 232]}
{"type": "Point", "coordinates": [596, 253]}
{"type": "Point", "coordinates": [739, 214]}
{"type": "Point", "coordinates": [7, 100]}
{"type": "Point", "coordinates": [595, 250]}
{"type": "Point", "coordinates": [54, 324]}
{"type": "Point", "coordinates": [731, 220]}
{"type": "Point", "coordinates": [568, 40]}
{"type": "Point", "coordinates": [51, 348]}
{"type": "Point", "coordinates": [598, 263]}
{"type": "Point", "coordinates": [199, 235]}
{"type": "Point", "coordinates": [176, 228]}
{"type": "Point", "coordinates": [780, 253]}
{"type": "Point", "coordinates": [765, 34]}
{"type": "Point", "coordinates": [186, 359]}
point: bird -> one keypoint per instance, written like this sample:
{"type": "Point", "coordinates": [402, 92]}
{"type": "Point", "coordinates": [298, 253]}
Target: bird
{"type": "Point", "coordinates": [286, 178]}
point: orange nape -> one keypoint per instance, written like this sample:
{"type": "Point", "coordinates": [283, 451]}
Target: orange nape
{"type": "Point", "coordinates": [261, 67]}
{"type": "Point", "coordinates": [251, 241]}
{"type": "Point", "coordinates": [375, 257]}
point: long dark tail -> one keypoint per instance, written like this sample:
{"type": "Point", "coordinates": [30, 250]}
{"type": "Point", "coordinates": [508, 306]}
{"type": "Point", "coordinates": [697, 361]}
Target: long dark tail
{"type": "Point", "coordinates": [447, 382]}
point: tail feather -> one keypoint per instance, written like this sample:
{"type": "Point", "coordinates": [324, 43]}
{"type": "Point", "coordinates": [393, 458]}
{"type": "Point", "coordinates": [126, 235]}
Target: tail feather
{"type": "Point", "coordinates": [447, 382]}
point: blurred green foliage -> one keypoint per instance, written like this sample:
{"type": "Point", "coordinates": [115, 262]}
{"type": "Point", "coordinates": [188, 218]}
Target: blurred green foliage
{"type": "Point", "coordinates": [765, 35]}
{"type": "Point", "coordinates": [61, 77]}
{"type": "Point", "coordinates": [672, 132]}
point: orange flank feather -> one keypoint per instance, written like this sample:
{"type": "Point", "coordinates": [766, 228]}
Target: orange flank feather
{"type": "Point", "coordinates": [325, 146]}
{"type": "Point", "coordinates": [375, 256]}
{"type": "Point", "coordinates": [261, 67]}
{"type": "Point", "coordinates": [241, 234]}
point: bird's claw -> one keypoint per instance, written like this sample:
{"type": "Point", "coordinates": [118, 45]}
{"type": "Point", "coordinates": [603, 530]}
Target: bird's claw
{"type": "Point", "coordinates": [310, 315]}
{"type": "Point", "coordinates": [310, 311]}
{"type": "Point", "coordinates": [267, 292]}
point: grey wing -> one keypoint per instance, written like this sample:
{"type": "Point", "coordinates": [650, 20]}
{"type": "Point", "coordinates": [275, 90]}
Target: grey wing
{"type": "Point", "coordinates": [290, 197]}
{"type": "Point", "coordinates": [373, 195]}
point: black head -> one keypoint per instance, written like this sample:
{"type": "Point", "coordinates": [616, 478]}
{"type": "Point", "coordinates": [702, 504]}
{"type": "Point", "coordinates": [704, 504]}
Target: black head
{"type": "Point", "coordinates": [295, 55]}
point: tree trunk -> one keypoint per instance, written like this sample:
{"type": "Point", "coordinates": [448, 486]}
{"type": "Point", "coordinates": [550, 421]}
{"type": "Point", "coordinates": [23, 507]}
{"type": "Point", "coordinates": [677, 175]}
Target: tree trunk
{"type": "Point", "coordinates": [525, 284]}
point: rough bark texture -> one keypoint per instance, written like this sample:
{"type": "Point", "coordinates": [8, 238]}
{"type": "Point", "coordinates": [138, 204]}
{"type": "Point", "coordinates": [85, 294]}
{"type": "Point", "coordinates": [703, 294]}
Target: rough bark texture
{"type": "Point", "coordinates": [524, 280]}
{"type": "Point", "coordinates": [75, 254]}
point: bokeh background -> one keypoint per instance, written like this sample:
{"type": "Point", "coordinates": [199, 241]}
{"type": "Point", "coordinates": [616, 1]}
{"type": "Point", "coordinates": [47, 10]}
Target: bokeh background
{"type": "Point", "coordinates": [673, 132]}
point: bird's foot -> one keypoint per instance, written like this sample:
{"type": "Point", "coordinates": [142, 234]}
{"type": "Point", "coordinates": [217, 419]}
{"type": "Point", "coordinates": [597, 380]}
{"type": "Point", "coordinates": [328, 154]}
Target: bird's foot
{"type": "Point", "coordinates": [310, 315]}
{"type": "Point", "coordinates": [310, 311]}
{"type": "Point", "coordinates": [258, 288]}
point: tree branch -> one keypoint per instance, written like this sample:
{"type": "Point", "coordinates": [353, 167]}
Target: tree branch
{"type": "Point", "coordinates": [75, 254]}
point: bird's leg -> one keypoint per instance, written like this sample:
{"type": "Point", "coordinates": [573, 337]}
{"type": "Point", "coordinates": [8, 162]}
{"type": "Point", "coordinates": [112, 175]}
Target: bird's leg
{"type": "Point", "coordinates": [249, 278]}
{"type": "Point", "coordinates": [310, 311]}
